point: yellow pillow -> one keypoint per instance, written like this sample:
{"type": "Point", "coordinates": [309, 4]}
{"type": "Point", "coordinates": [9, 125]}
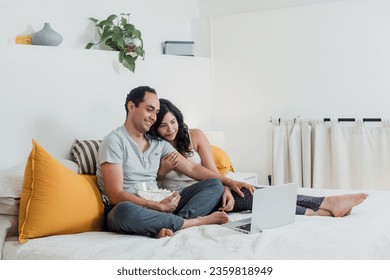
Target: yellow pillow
{"type": "Point", "coordinates": [56, 200]}
{"type": "Point", "coordinates": [222, 160]}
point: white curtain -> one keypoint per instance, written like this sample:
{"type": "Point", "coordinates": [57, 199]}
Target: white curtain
{"type": "Point", "coordinates": [319, 154]}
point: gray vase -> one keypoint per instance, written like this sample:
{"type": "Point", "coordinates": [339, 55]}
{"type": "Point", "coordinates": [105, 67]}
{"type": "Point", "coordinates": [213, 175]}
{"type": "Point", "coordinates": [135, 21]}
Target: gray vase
{"type": "Point", "coordinates": [46, 37]}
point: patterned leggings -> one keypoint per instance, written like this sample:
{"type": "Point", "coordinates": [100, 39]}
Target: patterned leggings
{"type": "Point", "coordinates": [304, 202]}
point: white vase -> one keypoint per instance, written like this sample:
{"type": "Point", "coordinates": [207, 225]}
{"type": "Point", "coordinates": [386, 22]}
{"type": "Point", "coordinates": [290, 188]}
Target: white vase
{"type": "Point", "coordinates": [46, 37]}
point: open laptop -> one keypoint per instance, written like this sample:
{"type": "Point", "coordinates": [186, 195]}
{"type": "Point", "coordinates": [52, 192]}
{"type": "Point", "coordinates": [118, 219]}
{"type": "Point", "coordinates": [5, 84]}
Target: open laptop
{"type": "Point", "coordinates": [272, 207]}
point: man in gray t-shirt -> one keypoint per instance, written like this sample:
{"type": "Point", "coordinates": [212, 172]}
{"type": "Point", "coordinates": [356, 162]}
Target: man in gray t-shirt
{"type": "Point", "coordinates": [127, 158]}
{"type": "Point", "coordinates": [118, 146]}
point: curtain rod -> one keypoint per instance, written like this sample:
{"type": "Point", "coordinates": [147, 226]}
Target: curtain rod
{"type": "Point", "coordinates": [353, 119]}
{"type": "Point", "coordinates": [345, 119]}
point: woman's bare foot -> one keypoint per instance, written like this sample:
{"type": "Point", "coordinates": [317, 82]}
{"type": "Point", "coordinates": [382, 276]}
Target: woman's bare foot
{"type": "Point", "coordinates": [213, 218]}
{"type": "Point", "coordinates": [341, 205]}
{"type": "Point", "coordinates": [164, 232]}
{"type": "Point", "coordinates": [319, 212]}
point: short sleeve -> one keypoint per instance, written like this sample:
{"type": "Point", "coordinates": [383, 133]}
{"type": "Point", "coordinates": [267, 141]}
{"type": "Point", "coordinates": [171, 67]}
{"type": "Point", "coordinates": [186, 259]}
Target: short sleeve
{"type": "Point", "coordinates": [167, 148]}
{"type": "Point", "coordinates": [110, 150]}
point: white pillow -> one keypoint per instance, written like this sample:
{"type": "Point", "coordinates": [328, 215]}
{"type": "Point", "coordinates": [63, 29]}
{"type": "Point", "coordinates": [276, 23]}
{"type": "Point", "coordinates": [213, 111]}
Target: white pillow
{"type": "Point", "coordinates": [9, 206]}
{"type": "Point", "coordinates": [70, 164]}
{"type": "Point", "coordinates": [11, 182]}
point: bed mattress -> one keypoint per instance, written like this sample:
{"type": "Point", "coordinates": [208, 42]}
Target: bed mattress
{"type": "Point", "coordinates": [363, 235]}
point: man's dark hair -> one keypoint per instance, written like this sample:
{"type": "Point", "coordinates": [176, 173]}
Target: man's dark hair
{"type": "Point", "coordinates": [137, 95]}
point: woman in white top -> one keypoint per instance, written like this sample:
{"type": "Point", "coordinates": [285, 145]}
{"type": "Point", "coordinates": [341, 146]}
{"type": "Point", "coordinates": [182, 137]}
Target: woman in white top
{"type": "Point", "coordinates": [193, 144]}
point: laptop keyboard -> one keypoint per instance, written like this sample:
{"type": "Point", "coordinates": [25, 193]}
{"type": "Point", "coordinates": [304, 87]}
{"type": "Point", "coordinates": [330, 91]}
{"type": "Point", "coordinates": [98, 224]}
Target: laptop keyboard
{"type": "Point", "coordinates": [246, 227]}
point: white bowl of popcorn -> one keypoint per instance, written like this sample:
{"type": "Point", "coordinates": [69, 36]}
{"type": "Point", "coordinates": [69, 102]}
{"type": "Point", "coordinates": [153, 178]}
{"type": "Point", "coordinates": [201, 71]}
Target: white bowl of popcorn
{"type": "Point", "coordinates": [152, 193]}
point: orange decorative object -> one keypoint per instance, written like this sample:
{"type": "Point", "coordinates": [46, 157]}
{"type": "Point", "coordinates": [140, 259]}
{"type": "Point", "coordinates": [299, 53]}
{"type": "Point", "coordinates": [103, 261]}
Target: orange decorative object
{"type": "Point", "coordinates": [23, 39]}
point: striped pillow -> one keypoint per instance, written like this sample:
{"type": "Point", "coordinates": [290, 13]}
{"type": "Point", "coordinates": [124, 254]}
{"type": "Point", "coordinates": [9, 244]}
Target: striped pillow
{"type": "Point", "coordinates": [85, 154]}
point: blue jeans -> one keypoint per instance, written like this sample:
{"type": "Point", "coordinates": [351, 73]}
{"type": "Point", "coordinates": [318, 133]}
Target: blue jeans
{"type": "Point", "coordinates": [196, 200]}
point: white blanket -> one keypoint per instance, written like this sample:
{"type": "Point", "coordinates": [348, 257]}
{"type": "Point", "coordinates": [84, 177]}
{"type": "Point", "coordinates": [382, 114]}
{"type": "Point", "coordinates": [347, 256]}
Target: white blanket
{"type": "Point", "coordinates": [365, 234]}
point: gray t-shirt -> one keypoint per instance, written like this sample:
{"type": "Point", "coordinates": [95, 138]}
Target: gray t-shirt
{"type": "Point", "coordinates": [138, 167]}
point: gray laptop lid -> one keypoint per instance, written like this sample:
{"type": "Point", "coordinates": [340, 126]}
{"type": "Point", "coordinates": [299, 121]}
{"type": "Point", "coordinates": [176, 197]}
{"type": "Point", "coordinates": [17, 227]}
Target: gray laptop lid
{"type": "Point", "coordinates": [273, 207]}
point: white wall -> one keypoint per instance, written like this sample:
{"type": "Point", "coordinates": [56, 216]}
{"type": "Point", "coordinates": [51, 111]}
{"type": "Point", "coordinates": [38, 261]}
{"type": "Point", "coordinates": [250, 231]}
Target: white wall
{"type": "Point", "coordinates": [55, 94]}
{"type": "Point", "coordinates": [325, 60]}
{"type": "Point", "coordinates": [230, 7]}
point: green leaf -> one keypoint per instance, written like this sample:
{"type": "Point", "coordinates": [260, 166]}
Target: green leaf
{"type": "Point", "coordinates": [128, 32]}
{"type": "Point", "coordinates": [113, 45]}
{"type": "Point", "coordinates": [111, 17]}
{"type": "Point", "coordinates": [100, 25]}
{"type": "Point", "coordinates": [137, 34]}
{"type": "Point", "coordinates": [105, 23]}
{"type": "Point", "coordinates": [121, 43]}
{"type": "Point", "coordinates": [116, 34]}
{"type": "Point", "coordinates": [107, 33]}
{"type": "Point", "coordinates": [129, 26]}
{"type": "Point", "coordinates": [123, 21]}
{"type": "Point", "coordinates": [129, 63]}
{"type": "Point", "coordinates": [122, 54]}
{"type": "Point", "coordinates": [93, 19]}
{"type": "Point", "coordinates": [89, 45]}
{"type": "Point", "coordinates": [140, 51]}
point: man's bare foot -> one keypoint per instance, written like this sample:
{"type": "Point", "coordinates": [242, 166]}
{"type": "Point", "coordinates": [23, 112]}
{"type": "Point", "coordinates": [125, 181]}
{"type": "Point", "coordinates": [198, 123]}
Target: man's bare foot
{"type": "Point", "coordinates": [164, 232]}
{"type": "Point", "coordinates": [341, 205]}
{"type": "Point", "coordinates": [213, 218]}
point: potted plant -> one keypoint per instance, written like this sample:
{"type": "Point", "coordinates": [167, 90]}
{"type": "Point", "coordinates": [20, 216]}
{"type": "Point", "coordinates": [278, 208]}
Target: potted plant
{"type": "Point", "coordinates": [119, 35]}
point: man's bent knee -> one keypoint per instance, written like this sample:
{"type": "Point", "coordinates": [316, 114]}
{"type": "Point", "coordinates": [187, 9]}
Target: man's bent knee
{"type": "Point", "coordinates": [216, 184]}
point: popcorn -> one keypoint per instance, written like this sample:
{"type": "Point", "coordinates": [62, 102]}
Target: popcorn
{"type": "Point", "coordinates": [154, 195]}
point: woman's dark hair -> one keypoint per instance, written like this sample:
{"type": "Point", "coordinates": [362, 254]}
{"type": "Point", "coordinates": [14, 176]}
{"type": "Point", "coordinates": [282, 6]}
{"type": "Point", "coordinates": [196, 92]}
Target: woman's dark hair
{"type": "Point", "coordinates": [183, 137]}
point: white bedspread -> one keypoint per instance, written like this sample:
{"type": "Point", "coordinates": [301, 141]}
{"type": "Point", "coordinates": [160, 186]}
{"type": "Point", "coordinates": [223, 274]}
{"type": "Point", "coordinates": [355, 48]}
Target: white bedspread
{"type": "Point", "coordinates": [365, 234]}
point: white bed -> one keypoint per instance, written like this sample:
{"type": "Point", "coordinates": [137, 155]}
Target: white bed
{"type": "Point", "coordinates": [364, 235]}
